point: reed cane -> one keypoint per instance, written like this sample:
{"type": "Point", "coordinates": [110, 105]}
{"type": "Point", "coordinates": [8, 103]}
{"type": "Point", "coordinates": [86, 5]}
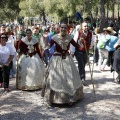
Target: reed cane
{"type": "Point", "coordinates": [95, 44]}
{"type": "Point", "coordinates": [93, 59]}
{"type": "Point", "coordinates": [17, 76]}
{"type": "Point", "coordinates": [91, 74]}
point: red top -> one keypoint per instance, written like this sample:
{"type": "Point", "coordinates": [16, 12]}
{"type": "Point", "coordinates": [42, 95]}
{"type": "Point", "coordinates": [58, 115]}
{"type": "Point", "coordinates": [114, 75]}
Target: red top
{"type": "Point", "coordinates": [59, 49]}
{"type": "Point", "coordinates": [70, 26]}
{"type": "Point", "coordinates": [86, 41]}
{"type": "Point", "coordinates": [24, 49]}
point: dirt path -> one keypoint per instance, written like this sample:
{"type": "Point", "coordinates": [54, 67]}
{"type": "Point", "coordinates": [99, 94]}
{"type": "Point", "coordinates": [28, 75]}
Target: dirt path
{"type": "Point", "coordinates": [25, 105]}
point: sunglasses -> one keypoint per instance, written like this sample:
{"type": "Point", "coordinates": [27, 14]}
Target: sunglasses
{"type": "Point", "coordinates": [3, 37]}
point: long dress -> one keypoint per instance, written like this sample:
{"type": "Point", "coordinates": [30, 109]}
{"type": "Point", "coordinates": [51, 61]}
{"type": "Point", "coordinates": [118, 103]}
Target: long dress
{"type": "Point", "coordinates": [63, 81]}
{"type": "Point", "coordinates": [31, 70]}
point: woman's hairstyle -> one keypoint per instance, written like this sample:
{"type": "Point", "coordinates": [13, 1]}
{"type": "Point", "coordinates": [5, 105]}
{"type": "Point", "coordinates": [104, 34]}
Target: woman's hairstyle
{"type": "Point", "coordinates": [35, 27]}
{"type": "Point", "coordinates": [28, 30]}
{"type": "Point", "coordinates": [4, 34]}
{"type": "Point", "coordinates": [8, 31]}
{"type": "Point", "coordinates": [97, 30]}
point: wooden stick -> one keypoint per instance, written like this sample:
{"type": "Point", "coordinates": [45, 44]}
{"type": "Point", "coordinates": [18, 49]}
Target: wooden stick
{"type": "Point", "coordinates": [91, 74]}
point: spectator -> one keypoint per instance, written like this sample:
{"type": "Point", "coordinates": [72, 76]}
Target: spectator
{"type": "Point", "coordinates": [6, 57]}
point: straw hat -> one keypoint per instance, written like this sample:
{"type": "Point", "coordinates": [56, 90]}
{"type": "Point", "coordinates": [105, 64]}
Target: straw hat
{"type": "Point", "coordinates": [110, 29]}
{"type": "Point", "coordinates": [104, 29]}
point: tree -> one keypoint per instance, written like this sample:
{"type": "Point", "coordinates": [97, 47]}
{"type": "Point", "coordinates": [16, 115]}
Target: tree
{"type": "Point", "coordinates": [9, 9]}
{"type": "Point", "coordinates": [102, 14]}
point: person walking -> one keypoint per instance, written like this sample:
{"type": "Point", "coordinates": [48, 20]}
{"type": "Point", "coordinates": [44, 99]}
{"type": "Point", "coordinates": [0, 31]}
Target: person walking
{"type": "Point", "coordinates": [110, 46]}
{"type": "Point", "coordinates": [6, 57]}
{"type": "Point", "coordinates": [84, 39]}
{"type": "Point", "coordinates": [31, 70]}
{"type": "Point", "coordinates": [103, 53]}
{"type": "Point", "coordinates": [45, 45]}
{"type": "Point", "coordinates": [64, 84]}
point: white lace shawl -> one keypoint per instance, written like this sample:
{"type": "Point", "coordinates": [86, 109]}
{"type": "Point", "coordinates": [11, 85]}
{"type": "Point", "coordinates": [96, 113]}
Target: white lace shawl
{"type": "Point", "coordinates": [63, 44]}
{"type": "Point", "coordinates": [30, 44]}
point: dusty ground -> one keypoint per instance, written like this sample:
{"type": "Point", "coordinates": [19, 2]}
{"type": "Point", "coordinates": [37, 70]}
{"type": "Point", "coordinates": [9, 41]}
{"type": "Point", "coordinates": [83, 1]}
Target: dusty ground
{"type": "Point", "coordinates": [26, 105]}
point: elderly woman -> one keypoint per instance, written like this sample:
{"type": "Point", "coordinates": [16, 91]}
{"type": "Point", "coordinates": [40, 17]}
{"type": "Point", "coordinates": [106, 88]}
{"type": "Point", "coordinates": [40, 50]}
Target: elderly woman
{"type": "Point", "coordinates": [64, 84]}
{"type": "Point", "coordinates": [6, 56]}
{"type": "Point", "coordinates": [31, 69]}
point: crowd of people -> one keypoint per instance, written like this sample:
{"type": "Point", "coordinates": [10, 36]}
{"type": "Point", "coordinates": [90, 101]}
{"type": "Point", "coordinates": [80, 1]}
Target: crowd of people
{"type": "Point", "coordinates": [42, 57]}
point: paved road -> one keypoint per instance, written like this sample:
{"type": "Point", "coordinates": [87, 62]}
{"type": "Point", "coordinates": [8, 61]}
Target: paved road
{"type": "Point", "coordinates": [26, 105]}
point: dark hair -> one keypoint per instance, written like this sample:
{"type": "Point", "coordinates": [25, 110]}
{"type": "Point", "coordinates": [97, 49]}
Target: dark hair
{"type": "Point", "coordinates": [109, 32]}
{"type": "Point", "coordinates": [3, 25]}
{"type": "Point", "coordinates": [63, 22]}
{"type": "Point", "coordinates": [35, 27]}
{"type": "Point", "coordinates": [28, 30]}
{"type": "Point", "coordinates": [46, 29]}
{"type": "Point", "coordinates": [6, 36]}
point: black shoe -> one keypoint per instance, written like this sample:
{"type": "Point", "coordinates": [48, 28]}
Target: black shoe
{"type": "Point", "coordinates": [84, 83]}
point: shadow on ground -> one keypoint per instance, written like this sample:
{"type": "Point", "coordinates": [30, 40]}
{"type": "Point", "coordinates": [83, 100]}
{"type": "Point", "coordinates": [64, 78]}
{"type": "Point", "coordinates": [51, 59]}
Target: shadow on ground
{"type": "Point", "coordinates": [28, 105]}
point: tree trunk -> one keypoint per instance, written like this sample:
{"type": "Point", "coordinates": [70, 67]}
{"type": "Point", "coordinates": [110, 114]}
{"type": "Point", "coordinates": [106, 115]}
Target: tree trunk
{"type": "Point", "coordinates": [44, 18]}
{"type": "Point", "coordinates": [102, 14]}
{"type": "Point", "coordinates": [91, 16]}
{"type": "Point", "coordinates": [107, 11]}
{"type": "Point", "coordinates": [113, 10]}
{"type": "Point", "coordinates": [96, 13]}
{"type": "Point", "coordinates": [118, 9]}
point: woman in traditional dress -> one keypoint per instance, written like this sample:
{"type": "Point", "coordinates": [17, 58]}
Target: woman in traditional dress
{"type": "Point", "coordinates": [31, 70]}
{"type": "Point", "coordinates": [62, 79]}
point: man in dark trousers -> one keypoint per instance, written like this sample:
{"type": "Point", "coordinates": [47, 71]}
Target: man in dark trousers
{"type": "Point", "coordinates": [84, 40]}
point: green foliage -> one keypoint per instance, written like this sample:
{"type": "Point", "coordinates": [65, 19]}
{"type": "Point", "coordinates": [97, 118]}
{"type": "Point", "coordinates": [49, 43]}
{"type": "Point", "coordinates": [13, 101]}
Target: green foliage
{"type": "Point", "coordinates": [9, 9]}
{"type": "Point", "coordinates": [58, 9]}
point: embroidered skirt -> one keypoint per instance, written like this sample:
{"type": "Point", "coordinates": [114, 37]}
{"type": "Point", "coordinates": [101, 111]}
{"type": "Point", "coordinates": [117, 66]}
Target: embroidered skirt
{"type": "Point", "coordinates": [31, 72]}
{"type": "Point", "coordinates": [63, 82]}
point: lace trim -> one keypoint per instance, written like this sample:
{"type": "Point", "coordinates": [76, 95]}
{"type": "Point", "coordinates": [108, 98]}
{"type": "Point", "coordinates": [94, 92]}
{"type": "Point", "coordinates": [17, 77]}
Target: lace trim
{"type": "Point", "coordinates": [63, 44]}
{"type": "Point", "coordinates": [30, 44]}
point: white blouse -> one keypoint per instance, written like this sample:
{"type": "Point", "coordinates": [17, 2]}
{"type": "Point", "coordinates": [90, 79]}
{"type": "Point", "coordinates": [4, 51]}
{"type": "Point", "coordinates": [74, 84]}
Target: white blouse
{"type": "Point", "coordinates": [11, 42]}
{"type": "Point", "coordinates": [5, 52]}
